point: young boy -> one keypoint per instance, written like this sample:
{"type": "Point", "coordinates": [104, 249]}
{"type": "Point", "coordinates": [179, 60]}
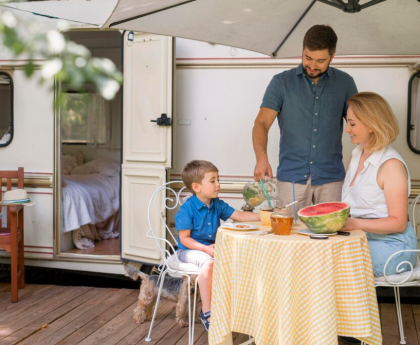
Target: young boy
{"type": "Point", "coordinates": [197, 222]}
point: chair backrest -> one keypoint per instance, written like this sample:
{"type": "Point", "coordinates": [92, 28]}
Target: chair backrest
{"type": "Point", "coordinates": [171, 200]}
{"type": "Point", "coordinates": [412, 213]}
{"type": "Point", "coordinates": [7, 177]}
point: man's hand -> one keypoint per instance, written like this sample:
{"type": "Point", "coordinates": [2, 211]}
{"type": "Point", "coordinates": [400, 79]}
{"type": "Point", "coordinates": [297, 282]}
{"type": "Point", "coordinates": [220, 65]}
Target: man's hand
{"type": "Point", "coordinates": [262, 125]}
{"type": "Point", "coordinates": [210, 250]}
{"type": "Point", "coordinates": [262, 169]}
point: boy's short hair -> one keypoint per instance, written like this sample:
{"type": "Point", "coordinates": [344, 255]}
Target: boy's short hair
{"type": "Point", "coordinates": [194, 171]}
{"type": "Point", "coordinates": [320, 37]}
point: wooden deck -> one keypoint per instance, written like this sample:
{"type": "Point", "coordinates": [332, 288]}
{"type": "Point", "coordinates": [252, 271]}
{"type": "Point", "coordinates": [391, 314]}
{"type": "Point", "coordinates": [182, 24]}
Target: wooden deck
{"type": "Point", "coordinates": [47, 314]}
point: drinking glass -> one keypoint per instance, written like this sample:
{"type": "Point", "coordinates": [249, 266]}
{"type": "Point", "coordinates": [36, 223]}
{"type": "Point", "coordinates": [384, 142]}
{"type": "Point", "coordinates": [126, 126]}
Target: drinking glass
{"type": "Point", "coordinates": [282, 220]}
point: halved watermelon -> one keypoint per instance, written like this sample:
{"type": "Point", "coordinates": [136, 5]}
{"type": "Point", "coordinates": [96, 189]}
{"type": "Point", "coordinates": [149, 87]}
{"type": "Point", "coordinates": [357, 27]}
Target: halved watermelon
{"type": "Point", "coordinates": [325, 218]}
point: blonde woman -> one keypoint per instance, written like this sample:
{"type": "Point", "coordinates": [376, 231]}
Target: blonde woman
{"type": "Point", "coordinates": [377, 182]}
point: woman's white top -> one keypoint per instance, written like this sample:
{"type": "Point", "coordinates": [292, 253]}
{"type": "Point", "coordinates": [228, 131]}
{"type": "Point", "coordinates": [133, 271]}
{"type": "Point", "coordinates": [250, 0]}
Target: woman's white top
{"type": "Point", "coordinates": [366, 198]}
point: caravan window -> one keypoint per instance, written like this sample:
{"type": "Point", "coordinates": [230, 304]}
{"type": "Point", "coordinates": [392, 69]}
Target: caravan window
{"type": "Point", "coordinates": [85, 119]}
{"type": "Point", "coordinates": [413, 128]}
{"type": "Point", "coordinates": [6, 109]}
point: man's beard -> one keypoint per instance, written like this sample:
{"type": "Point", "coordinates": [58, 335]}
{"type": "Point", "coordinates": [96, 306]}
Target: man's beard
{"type": "Point", "coordinates": [314, 76]}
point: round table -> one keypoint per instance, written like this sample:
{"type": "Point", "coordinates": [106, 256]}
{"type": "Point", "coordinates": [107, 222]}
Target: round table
{"type": "Point", "coordinates": [293, 289]}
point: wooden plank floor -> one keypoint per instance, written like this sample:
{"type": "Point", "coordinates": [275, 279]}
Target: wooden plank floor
{"type": "Point", "coordinates": [47, 314]}
{"type": "Point", "coordinates": [105, 247]}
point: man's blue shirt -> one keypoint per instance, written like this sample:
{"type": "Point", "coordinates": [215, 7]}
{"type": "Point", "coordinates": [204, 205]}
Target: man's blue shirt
{"type": "Point", "coordinates": [311, 124]}
{"type": "Point", "coordinates": [203, 221]}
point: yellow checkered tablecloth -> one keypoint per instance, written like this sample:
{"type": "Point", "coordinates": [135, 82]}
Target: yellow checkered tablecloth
{"type": "Point", "coordinates": [293, 290]}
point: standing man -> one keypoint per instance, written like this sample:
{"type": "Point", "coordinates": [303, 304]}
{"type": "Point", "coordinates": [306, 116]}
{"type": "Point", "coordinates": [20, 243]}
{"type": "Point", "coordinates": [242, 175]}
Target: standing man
{"type": "Point", "coordinates": [310, 103]}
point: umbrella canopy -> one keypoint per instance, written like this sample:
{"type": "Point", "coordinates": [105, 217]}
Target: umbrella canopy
{"type": "Point", "coordinates": [272, 27]}
{"type": "Point", "coordinates": [94, 12]}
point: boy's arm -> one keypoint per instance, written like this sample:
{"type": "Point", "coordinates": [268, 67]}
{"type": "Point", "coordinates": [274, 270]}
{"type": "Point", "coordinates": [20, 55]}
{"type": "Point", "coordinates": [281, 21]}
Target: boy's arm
{"type": "Point", "coordinates": [242, 216]}
{"type": "Point", "coordinates": [190, 243]}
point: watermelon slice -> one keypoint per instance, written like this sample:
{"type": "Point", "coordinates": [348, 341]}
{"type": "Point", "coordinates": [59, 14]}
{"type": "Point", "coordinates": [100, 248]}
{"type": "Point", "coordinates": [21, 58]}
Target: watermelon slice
{"type": "Point", "coordinates": [325, 218]}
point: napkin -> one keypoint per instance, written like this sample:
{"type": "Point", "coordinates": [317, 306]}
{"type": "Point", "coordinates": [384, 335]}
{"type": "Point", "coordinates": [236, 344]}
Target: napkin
{"type": "Point", "coordinates": [260, 232]}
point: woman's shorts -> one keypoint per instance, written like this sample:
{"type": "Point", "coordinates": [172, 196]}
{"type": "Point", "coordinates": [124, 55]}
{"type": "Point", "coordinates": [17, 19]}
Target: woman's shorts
{"type": "Point", "coordinates": [196, 257]}
{"type": "Point", "coordinates": [383, 246]}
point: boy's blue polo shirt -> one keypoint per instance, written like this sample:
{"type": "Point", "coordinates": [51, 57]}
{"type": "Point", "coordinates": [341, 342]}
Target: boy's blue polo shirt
{"type": "Point", "coordinates": [203, 221]}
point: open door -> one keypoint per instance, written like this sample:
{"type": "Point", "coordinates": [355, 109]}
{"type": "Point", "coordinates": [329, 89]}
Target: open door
{"type": "Point", "coordinates": [147, 141]}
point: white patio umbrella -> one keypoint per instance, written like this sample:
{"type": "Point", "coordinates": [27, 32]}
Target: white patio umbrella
{"type": "Point", "coordinates": [272, 27]}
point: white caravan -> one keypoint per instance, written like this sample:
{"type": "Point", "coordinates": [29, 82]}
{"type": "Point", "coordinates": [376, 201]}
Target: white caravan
{"type": "Point", "coordinates": [110, 156]}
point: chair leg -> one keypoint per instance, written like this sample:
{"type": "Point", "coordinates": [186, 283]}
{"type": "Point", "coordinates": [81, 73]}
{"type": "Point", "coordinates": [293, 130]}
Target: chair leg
{"type": "Point", "coordinates": [14, 260]}
{"type": "Point", "coordinates": [14, 274]}
{"type": "Point", "coordinates": [189, 310]}
{"type": "Point", "coordinates": [21, 267]}
{"type": "Point", "coordinates": [162, 278]}
{"type": "Point", "coordinates": [194, 308]}
{"type": "Point", "coordinates": [21, 254]}
{"type": "Point", "coordinates": [399, 315]}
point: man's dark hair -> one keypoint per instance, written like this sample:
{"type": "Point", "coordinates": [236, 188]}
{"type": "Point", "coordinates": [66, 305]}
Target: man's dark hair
{"type": "Point", "coordinates": [320, 37]}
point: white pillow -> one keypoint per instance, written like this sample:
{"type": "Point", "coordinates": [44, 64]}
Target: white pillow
{"type": "Point", "coordinates": [105, 167]}
{"type": "Point", "coordinates": [76, 154]}
{"type": "Point", "coordinates": [68, 163]}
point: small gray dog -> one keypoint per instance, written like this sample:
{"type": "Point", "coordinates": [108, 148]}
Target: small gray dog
{"type": "Point", "coordinates": [174, 289]}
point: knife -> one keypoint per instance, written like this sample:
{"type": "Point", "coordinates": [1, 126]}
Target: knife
{"type": "Point", "coordinates": [343, 233]}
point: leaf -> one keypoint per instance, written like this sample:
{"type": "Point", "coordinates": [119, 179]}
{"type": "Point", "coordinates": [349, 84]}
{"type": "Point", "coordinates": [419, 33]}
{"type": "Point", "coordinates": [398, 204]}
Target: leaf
{"type": "Point", "coordinates": [29, 69]}
{"type": "Point", "coordinates": [30, 40]}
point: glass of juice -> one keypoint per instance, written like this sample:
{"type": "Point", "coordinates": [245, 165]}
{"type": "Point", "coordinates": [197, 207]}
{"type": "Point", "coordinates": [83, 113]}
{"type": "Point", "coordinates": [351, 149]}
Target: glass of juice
{"type": "Point", "coordinates": [282, 220]}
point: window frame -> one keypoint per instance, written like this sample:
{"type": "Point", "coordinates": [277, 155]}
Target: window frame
{"type": "Point", "coordinates": [12, 125]}
{"type": "Point", "coordinates": [410, 126]}
{"type": "Point", "coordinates": [90, 91]}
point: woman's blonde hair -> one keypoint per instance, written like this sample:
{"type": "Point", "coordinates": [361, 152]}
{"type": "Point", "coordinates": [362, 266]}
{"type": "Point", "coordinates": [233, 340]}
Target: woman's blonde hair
{"type": "Point", "coordinates": [376, 114]}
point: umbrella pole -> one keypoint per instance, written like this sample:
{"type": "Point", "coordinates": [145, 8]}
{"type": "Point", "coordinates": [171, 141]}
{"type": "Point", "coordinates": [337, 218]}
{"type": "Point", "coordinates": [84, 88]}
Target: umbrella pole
{"type": "Point", "coordinates": [293, 28]}
{"type": "Point", "coordinates": [150, 13]}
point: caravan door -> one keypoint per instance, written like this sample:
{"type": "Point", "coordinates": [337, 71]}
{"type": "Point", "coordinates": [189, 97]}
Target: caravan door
{"type": "Point", "coordinates": [147, 146]}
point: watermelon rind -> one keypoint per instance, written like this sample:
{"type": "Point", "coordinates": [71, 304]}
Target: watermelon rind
{"type": "Point", "coordinates": [326, 223]}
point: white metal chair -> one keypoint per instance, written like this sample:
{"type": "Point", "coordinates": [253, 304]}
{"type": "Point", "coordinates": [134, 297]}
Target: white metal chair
{"type": "Point", "coordinates": [409, 277]}
{"type": "Point", "coordinates": [171, 265]}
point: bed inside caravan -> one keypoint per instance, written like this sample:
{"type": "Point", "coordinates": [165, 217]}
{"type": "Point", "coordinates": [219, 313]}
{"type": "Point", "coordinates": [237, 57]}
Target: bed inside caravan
{"type": "Point", "coordinates": [90, 129]}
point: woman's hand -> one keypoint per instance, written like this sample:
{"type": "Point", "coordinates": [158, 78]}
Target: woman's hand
{"type": "Point", "coordinates": [351, 224]}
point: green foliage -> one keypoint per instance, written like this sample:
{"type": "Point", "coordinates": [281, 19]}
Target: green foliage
{"type": "Point", "coordinates": [69, 63]}
{"type": "Point", "coordinates": [250, 193]}
{"type": "Point", "coordinates": [29, 68]}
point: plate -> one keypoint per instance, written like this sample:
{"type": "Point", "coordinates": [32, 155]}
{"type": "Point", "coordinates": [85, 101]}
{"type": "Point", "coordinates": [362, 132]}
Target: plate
{"type": "Point", "coordinates": [239, 226]}
{"type": "Point", "coordinates": [308, 232]}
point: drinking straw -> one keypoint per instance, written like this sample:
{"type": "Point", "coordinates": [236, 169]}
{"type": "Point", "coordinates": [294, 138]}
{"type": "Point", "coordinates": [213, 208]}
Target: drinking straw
{"type": "Point", "coordinates": [292, 203]}
{"type": "Point", "coordinates": [294, 199]}
{"type": "Point", "coordinates": [266, 194]}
